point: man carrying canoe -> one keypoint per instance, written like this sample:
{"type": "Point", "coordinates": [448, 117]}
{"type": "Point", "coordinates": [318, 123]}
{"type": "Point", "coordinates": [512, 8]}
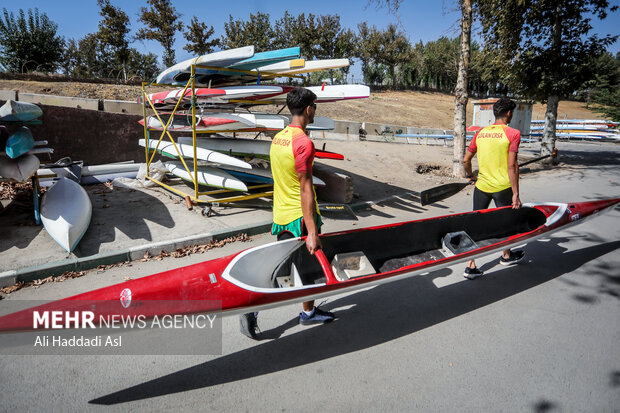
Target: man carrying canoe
{"type": "Point", "coordinates": [497, 147]}
{"type": "Point", "coordinates": [295, 210]}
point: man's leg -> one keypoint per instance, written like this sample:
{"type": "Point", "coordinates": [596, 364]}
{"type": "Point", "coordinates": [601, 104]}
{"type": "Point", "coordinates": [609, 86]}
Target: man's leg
{"type": "Point", "coordinates": [502, 199]}
{"type": "Point", "coordinates": [306, 305]}
{"type": "Point", "coordinates": [482, 200]}
{"type": "Point", "coordinates": [311, 314]}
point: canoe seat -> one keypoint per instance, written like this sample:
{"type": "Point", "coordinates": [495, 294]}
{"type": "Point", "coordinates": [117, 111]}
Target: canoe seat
{"type": "Point", "coordinates": [457, 242]}
{"type": "Point", "coordinates": [351, 265]}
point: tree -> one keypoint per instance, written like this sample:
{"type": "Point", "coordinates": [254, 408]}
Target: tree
{"type": "Point", "coordinates": [382, 49]}
{"type": "Point", "coordinates": [544, 48]}
{"type": "Point", "coordinates": [197, 36]}
{"type": "Point", "coordinates": [256, 31]}
{"type": "Point", "coordinates": [113, 30]}
{"type": "Point", "coordinates": [28, 44]}
{"type": "Point", "coordinates": [141, 66]}
{"type": "Point", "coordinates": [161, 20]}
{"type": "Point", "coordinates": [461, 91]}
{"type": "Point", "coordinates": [604, 93]}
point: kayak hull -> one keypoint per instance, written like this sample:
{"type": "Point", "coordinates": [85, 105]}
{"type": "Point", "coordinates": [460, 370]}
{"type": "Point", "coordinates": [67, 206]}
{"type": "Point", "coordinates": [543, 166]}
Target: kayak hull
{"type": "Point", "coordinates": [66, 211]}
{"type": "Point", "coordinates": [252, 279]}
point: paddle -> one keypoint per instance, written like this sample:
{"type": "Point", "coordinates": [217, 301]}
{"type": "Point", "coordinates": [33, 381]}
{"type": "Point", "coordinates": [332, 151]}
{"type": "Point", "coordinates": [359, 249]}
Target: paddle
{"type": "Point", "coordinates": [442, 192]}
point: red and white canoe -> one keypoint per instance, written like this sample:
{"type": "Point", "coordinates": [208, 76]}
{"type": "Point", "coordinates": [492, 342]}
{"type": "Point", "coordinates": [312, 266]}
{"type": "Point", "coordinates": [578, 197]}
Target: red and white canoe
{"type": "Point", "coordinates": [284, 272]}
{"type": "Point", "coordinates": [215, 122]}
{"type": "Point", "coordinates": [168, 99]}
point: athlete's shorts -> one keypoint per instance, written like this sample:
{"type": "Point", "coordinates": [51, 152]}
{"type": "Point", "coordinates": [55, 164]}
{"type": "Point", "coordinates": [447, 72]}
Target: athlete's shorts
{"type": "Point", "coordinates": [294, 229]}
{"type": "Point", "coordinates": [482, 199]}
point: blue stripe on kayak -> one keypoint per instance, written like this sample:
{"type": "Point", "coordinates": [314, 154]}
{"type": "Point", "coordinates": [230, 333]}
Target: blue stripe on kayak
{"type": "Point", "coordinates": [263, 58]}
{"type": "Point", "coordinates": [247, 177]}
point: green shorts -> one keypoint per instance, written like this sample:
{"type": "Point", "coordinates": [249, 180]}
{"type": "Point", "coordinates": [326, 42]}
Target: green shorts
{"type": "Point", "coordinates": [297, 227]}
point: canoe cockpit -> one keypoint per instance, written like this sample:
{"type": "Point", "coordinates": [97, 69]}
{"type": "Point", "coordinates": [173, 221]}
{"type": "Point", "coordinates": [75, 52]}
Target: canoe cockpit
{"type": "Point", "coordinates": [288, 264]}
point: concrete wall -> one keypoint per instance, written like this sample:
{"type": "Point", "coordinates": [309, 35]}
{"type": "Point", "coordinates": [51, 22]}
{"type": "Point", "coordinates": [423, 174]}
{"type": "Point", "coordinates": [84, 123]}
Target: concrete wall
{"type": "Point", "coordinates": [93, 136]}
{"type": "Point", "coordinates": [64, 101]}
{"type": "Point", "coordinates": [102, 131]}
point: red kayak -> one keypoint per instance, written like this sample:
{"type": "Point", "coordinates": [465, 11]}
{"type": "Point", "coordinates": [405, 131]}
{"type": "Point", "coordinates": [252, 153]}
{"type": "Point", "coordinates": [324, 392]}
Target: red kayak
{"type": "Point", "coordinates": [231, 94]}
{"type": "Point", "coordinates": [284, 272]}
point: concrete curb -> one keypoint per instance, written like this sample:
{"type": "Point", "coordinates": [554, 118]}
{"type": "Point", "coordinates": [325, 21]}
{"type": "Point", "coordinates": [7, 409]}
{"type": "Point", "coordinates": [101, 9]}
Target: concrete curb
{"type": "Point", "coordinates": [56, 268]}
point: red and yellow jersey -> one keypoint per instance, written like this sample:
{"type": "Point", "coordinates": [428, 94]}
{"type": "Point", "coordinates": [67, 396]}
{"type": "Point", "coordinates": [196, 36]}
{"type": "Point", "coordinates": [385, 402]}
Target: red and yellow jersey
{"type": "Point", "coordinates": [492, 145]}
{"type": "Point", "coordinates": [291, 152]}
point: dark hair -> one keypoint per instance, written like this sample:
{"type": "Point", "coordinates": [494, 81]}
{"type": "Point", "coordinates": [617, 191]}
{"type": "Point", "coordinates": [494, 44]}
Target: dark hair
{"type": "Point", "coordinates": [299, 99]}
{"type": "Point", "coordinates": [502, 106]}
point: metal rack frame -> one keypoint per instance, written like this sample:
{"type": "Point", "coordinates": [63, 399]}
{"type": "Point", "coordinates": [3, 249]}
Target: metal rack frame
{"type": "Point", "coordinates": [165, 132]}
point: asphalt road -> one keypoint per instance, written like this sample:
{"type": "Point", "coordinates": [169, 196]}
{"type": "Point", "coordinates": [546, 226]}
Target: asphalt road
{"type": "Point", "coordinates": [542, 336]}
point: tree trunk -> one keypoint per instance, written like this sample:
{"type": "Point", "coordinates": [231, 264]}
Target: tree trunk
{"type": "Point", "coordinates": [460, 92]}
{"type": "Point", "coordinates": [548, 141]}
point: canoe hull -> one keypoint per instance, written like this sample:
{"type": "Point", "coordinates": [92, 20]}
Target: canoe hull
{"type": "Point", "coordinates": [233, 286]}
{"type": "Point", "coordinates": [187, 151]}
{"type": "Point", "coordinates": [207, 175]}
{"type": "Point", "coordinates": [66, 211]}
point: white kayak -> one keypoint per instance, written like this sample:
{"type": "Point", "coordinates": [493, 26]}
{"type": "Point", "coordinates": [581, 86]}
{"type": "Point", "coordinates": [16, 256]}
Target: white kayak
{"type": "Point", "coordinates": [13, 111]}
{"type": "Point", "coordinates": [218, 95]}
{"type": "Point", "coordinates": [234, 146]}
{"type": "Point", "coordinates": [182, 70]}
{"type": "Point", "coordinates": [207, 175]}
{"type": "Point", "coordinates": [328, 93]}
{"type": "Point", "coordinates": [19, 169]}
{"type": "Point", "coordinates": [65, 212]}
{"type": "Point", "coordinates": [187, 151]}
{"type": "Point", "coordinates": [260, 175]}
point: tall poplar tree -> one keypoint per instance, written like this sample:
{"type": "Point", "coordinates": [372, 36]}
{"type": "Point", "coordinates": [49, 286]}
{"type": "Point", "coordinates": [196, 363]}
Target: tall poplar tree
{"type": "Point", "coordinates": [197, 36]}
{"type": "Point", "coordinates": [162, 23]}
{"type": "Point", "coordinates": [113, 30]}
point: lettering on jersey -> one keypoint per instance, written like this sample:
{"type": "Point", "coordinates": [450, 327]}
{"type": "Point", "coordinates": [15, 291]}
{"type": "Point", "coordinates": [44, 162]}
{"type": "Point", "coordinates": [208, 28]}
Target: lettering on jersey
{"type": "Point", "coordinates": [490, 135]}
{"type": "Point", "coordinates": [281, 141]}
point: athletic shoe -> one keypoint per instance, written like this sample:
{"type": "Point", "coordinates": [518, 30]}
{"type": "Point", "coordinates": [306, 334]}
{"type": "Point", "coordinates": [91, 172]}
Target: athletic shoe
{"type": "Point", "coordinates": [515, 257]}
{"type": "Point", "coordinates": [318, 316]}
{"type": "Point", "coordinates": [248, 325]}
{"type": "Point", "coordinates": [471, 273]}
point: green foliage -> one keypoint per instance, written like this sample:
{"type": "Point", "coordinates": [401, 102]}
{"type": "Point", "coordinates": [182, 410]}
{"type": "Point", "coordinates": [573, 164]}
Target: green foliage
{"type": "Point", "coordinates": [91, 58]}
{"type": "Point", "coordinates": [542, 48]}
{"type": "Point", "coordinates": [161, 21]}
{"type": "Point", "coordinates": [256, 31]}
{"type": "Point", "coordinates": [29, 43]}
{"type": "Point", "coordinates": [113, 30]}
{"type": "Point", "coordinates": [381, 50]}
{"type": "Point", "coordinates": [197, 36]}
{"type": "Point", "coordinates": [603, 94]}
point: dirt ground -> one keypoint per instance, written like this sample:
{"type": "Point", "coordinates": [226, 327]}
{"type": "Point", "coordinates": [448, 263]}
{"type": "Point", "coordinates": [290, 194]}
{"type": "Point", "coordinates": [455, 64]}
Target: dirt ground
{"type": "Point", "coordinates": [407, 108]}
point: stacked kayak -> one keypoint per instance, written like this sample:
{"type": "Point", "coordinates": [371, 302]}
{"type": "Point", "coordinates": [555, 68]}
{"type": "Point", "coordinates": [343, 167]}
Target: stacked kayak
{"type": "Point", "coordinates": [580, 129]}
{"type": "Point", "coordinates": [223, 99]}
{"type": "Point", "coordinates": [18, 160]}
{"type": "Point", "coordinates": [65, 208]}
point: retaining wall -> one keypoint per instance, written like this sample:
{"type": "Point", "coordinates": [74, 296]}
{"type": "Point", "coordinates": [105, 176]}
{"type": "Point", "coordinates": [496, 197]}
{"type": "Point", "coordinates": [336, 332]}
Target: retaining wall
{"type": "Point", "coordinates": [101, 131]}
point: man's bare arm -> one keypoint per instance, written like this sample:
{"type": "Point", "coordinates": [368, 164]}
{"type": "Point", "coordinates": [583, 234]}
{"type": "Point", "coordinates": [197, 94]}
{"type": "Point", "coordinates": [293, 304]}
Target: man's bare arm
{"type": "Point", "coordinates": [513, 174]}
{"type": "Point", "coordinates": [308, 209]}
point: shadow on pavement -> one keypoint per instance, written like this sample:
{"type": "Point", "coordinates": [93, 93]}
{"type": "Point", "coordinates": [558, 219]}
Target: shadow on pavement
{"type": "Point", "coordinates": [376, 316]}
{"type": "Point", "coordinates": [18, 225]}
{"type": "Point", "coordinates": [125, 210]}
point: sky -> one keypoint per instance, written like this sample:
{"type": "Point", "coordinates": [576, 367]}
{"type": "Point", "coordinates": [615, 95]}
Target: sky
{"type": "Point", "coordinates": [419, 19]}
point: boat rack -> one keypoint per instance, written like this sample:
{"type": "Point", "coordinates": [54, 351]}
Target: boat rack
{"type": "Point", "coordinates": [34, 178]}
{"type": "Point", "coordinates": [195, 196]}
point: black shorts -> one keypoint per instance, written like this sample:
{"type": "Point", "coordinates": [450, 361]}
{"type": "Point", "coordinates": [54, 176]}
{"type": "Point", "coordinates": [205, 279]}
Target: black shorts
{"type": "Point", "coordinates": [482, 199]}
